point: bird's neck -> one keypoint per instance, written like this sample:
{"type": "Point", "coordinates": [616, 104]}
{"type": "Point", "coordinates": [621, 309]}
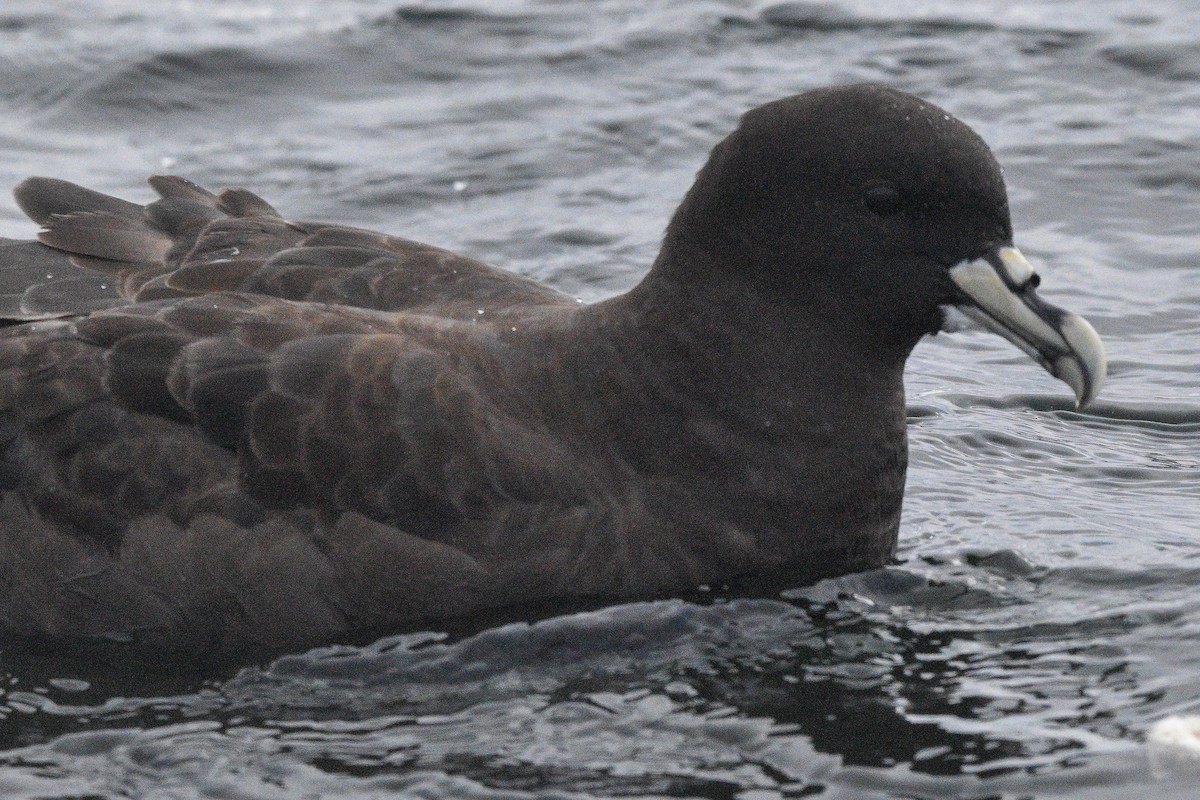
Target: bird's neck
{"type": "Point", "coordinates": [794, 420]}
{"type": "Point", "coordinates": [741, 347]}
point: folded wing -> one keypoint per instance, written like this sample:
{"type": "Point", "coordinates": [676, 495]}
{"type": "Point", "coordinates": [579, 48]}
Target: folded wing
{"type": "Point", "coordinates": [96, 251]}
{"type": "Point", "coordinates": [220, 429]}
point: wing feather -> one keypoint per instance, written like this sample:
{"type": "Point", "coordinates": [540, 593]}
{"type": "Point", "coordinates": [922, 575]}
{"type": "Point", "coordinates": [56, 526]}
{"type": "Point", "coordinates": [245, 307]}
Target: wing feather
{"type": "Point", "coordinates": [102, 251]}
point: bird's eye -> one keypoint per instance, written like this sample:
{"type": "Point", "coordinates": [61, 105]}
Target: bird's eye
{"type": "Point", "coordinates": [882, 198]}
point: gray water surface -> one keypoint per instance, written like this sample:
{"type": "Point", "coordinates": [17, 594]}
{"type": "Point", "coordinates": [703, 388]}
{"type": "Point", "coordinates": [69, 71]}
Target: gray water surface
{"type": "Point", "coordinates": [1044, 610]}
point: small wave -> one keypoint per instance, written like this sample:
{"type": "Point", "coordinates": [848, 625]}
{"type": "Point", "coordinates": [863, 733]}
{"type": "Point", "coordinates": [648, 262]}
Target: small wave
{"type": "Point", "coordinates": [830, 17]}
{"type": "Point", "coordinates": [455, 15]}
{"type": "Point", "coordinates": [815, 17]}
{"type": "Point", "coordinates": [1172, 62]}
{"type": "Point", "coordinates": [218, 82]}
{"type": "Point", "coordinates": [1112, 577]}
{"type": "Point", "coordinates": [1151, 415]}
{"type": "Point", "coordinates": [18, 23]}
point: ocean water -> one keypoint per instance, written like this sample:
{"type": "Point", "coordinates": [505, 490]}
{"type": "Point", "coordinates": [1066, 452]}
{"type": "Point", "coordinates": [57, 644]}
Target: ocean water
{"type": "Point", "coordinates": [1044, 609]}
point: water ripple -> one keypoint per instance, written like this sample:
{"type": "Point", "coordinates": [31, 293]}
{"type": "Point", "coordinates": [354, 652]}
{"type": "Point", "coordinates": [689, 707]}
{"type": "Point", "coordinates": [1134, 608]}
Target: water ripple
{"type": "Point", "coordinates": [1041, 613]}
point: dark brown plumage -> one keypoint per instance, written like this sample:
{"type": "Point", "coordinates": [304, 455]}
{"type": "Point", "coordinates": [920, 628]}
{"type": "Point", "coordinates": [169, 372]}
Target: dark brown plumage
{"type": "Point", "coordinates": [231, 434]}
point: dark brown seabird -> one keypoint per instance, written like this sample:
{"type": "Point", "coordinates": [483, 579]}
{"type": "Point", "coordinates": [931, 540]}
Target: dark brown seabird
{"type": "Point", "coordinates": [224, 435]}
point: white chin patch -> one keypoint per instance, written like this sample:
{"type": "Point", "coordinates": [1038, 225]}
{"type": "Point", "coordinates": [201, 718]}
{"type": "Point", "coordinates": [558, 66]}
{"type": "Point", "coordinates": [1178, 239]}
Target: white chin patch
{"type": "Point", "coordinates": [954, 320]}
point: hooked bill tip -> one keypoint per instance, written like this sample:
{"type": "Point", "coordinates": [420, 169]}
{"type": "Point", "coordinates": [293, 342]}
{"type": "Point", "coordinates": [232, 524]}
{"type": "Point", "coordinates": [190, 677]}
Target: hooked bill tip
{"type": "Point", "coordinates": [1067, 369]}
{"type": "Point", "coordinates": [1085, 367]}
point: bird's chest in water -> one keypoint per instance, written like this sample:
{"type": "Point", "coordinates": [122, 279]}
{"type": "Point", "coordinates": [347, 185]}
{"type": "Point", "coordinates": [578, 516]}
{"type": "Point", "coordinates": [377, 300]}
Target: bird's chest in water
{"type": "Point", "coordinates": [829, 467]}
{"type": "Point", "coordinates": [831, 487]}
